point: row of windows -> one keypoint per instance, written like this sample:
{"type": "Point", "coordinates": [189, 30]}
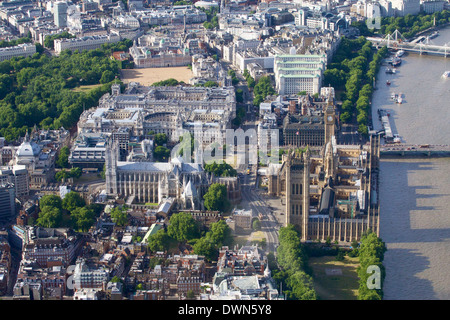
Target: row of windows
{"type": "Point", "coordinates": [296, 209]}
{"type": "Point", "coordinates": [297, 188]}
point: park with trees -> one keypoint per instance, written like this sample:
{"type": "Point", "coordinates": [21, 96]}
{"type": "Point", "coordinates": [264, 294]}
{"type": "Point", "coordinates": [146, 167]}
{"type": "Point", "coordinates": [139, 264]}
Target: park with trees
{"type": "Point", "coordinates": [262, 89]}
{"type": "Point", "coordinates": [184, 230]}
{"type": "Point", "coordinates": [70, 212]}
{"type": "Point", "coordinates": [371, 253]}
{"type": "Point", "coordinates": [42, 90]}
{"type": "Point", "coordinates": [353, 71]}
{"type": "Point", "coordinates": [290, 268]}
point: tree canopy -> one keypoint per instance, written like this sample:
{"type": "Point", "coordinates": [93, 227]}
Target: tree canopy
{"type": "Point", "coordinates": [42, 90]}
{"type": "Point", "coordinates": [63, 157]}
{"type": "Point", "coordinates": [292, 259]}
{"type": "Point", "coordinates": [161, 154]}
{"type": "Point", "coordinates": [119, 215]}
{"type": "Point", "coordinates": [160, 241]}
{"type": "Point", "coordinates": [69, 212]}
{"type": "Point", "coordinates": [216, 199]}
{"type": "Point", "coordinates": [353, 70]}
{"type": "Point", "coordinates": [262, 89]}
{"type": "Point", "coordinates": [183, 227]}
{"type": "Point", "coordinates": [371, 253]}
{"type": "Point", "coordinates": [221, 170]}
{"type": "Point", "coordinates": [72, 200]}
{"type": "Point", "coordinates": [167, 83]}
{"type": "Point", "coordinates": [218, 235]}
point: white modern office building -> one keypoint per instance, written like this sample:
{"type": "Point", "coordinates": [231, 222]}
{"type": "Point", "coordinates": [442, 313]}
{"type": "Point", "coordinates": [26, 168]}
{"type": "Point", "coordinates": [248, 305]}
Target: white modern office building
{"type": "Point", "coordinates": [295, 73]}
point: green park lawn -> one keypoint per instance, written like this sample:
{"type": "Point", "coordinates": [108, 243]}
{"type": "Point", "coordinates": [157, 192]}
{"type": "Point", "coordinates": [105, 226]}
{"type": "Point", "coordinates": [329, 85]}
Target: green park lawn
{"type": "Point", "coordinates": [335, 280]}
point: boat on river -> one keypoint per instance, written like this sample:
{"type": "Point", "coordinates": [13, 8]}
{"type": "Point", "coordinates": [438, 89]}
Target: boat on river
{"type": "Point", "coordinates": [391, 70]}
{"type": "Point", "coordinates": [434, 35]}
{"type": "Point", "coordinates": [396, 62]}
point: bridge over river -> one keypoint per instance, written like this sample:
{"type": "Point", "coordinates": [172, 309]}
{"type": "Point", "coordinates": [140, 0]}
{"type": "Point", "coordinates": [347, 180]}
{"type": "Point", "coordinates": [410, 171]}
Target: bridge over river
{"type": "Point", "coordinates": [398, 42]}
{"type": "Point", "coordinates": [403, 150]}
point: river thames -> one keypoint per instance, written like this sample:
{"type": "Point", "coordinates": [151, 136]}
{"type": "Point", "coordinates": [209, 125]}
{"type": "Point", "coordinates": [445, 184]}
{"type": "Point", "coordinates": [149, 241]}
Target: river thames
{"type": "Point", "coordinates": [415, 193]}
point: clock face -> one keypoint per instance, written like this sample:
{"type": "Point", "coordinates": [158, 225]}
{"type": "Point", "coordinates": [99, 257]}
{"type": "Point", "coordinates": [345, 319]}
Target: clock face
{"type": "Point", "coordinates": [330, 118]}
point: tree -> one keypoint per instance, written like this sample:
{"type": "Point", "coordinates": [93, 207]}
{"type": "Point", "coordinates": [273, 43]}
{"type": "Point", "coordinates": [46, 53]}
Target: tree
{"type": "Point", "coordinates": [62, 175]}
{"type": "Point", "coordinates": [262, 89]}
{"type": "Point", "coordinates": [160, 138]}
{"type": "Point", "coordinates": [82, 218]}
{"type": "Point", "coordinates": [63, 157]}
{"type": "Point", "coordinates": [256, 225]}
{"type": "Point", "coordinates": [161, 153]}
{"type": "Point", "coordinates": [169, 82]}
{"type": "Point", "coordinates": [345, 117]}
{"type": "Point", "coordinates": [216, 199]}
{"type": "Point", "coordinates": [50, 217]}
{"type": "Point", "coordinates": [340, 255]}
{"type": "Point", "coordinates": [292, 259]}
{"type": "Point", "coordinates": [190, 294]}
{"type": "Point", "coordinates": [220, 233]}
{"type": "Point", "coordinates": [221, 170]}
{"type": "Point", "coordinates": [72, 201]}
{"type": "Point", "coordinates": [206, 247]}
{"type": "Point", "coordinates": [119, 216]}
{"type": "Point", "coordinates": [209, 84]}
{"type": "Point", "coordinates": [301, 285]}
{"type": "Point", "coordinates": [371, 253]}
{"type": "Point", "coordinates": [50, 200]}
{"type": "Point", "coordinates": [160, 241]}
{"type": "Point", "coordinates": [107, 76]}
{"type": "Point", "coordinates": [75, 172]}
{"type": "Point", "coordinates": [183, 227]}
{"type": "Point", "coordinates": [103, 172]}
{"type": "Point", "coordinates": [239, 95]}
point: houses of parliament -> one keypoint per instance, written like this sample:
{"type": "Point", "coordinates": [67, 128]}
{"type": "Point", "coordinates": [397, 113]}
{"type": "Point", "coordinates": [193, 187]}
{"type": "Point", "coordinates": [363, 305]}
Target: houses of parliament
{"type": "Point", "coordinates": [329, 192]}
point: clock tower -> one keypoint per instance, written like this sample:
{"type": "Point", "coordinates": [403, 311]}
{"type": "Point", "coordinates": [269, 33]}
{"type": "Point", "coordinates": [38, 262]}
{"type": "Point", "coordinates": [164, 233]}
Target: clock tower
{"type": "Point", "coordinates": [329, 120]}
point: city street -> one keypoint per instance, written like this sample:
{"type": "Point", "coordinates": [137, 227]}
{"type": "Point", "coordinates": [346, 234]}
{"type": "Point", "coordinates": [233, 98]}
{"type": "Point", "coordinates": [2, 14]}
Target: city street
{"type": "Point", "coordinates": [251, 197]}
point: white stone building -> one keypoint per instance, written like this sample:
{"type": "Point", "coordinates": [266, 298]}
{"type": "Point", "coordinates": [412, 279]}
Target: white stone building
{"type": "Point", "coordinates": [21, 50]}
{"type": "Point", "coordinates": [84, 43]}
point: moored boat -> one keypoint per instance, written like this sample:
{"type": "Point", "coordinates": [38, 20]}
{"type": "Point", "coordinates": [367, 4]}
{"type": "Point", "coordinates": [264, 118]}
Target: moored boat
{"type": "Point", "coordinates": [400, 53]}
{"type": "Point", "coordinates": [396, 62]}
{"type": "Point", "coordinates": [391, 71]}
